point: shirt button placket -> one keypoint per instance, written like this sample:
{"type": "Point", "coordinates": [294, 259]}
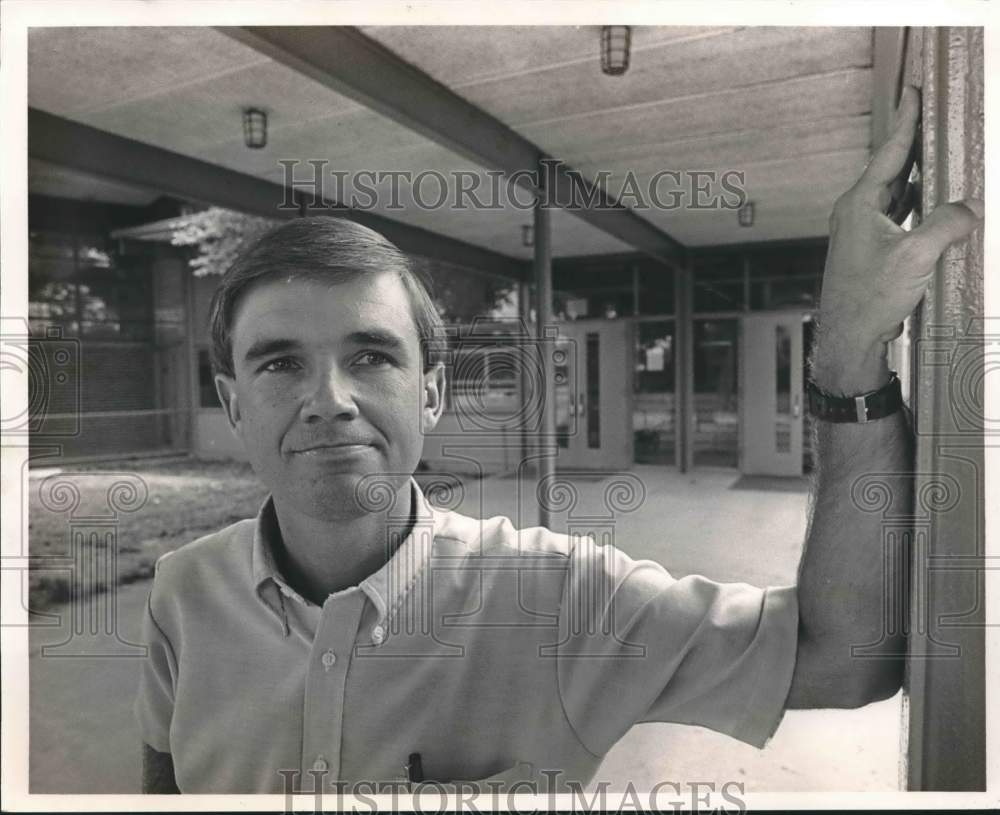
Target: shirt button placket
{"type": "Point", "coordinates": [325, 684]}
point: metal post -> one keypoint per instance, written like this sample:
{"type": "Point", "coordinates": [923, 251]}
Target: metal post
{"type": "Point", "coordinates": [193, 388]}
{"type": "Point", "coordinates": [547, 450]}
{"type": "Point", "coordinates": [524, 378]}
{"type": "Point", "coordinates": [746, 282]}
{"type": "Point", "coordinates": [684, 378]}
{"type": "Point", "coordinates": [77, 305]}
{"type": "Point", "coordinates": [164, 422]}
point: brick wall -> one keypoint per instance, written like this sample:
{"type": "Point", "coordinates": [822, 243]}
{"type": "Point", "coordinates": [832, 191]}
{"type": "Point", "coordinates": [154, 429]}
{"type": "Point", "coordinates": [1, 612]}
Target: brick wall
{"type": "Point", "coordinates": [117, 376]}
{"type": "Point", "coordinates": [78, 378]}
{"type": "Point", "coordinates": [97, 378]}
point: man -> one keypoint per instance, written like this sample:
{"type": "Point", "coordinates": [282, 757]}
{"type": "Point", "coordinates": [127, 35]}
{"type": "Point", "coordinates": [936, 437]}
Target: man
{"type": "Point", "coordinates": [352, 632]}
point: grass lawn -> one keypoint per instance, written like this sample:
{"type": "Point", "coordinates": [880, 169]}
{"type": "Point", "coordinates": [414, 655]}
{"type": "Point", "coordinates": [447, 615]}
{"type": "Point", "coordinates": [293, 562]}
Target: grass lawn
{"type": "Point", "coordinates": [187, 499]}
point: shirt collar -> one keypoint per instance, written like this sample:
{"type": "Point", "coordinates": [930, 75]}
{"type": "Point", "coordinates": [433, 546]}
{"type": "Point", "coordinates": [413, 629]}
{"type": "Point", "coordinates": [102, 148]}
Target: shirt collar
{"type": "Point", "coordinates": [386, 588]}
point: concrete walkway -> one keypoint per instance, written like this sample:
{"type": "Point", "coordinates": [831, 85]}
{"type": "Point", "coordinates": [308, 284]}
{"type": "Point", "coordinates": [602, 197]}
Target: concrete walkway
{"type": "Point", "coordinates": [83, 738]}
{"type": "Point", "coordinates": [696, 524]}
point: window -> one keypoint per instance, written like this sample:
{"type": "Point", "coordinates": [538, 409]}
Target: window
{"type": "Point", "coordinates": [716, 393]}
{"type": "Point", "coordinates": [656, 290]}
{"type": "Point", "coordinates": [718, 282]}
{"type": "Point", "coordinates": [208, 397]}
{"type": "Point", "coordinates": [653, 412]}
{"type": "Point", "coordinates": [485, 376]}
{"type": "Point", "coordinates": [786, 278]}
{"type": "Point", "coordinates": [85, 291]}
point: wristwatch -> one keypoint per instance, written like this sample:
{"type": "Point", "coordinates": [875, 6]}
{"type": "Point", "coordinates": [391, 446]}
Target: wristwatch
{"type": "Point", "coordinates": [866, 407]}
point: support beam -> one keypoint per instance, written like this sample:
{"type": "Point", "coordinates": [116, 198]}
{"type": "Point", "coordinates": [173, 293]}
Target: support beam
{"type": "Point", "coordinates": [345, 60]}
{"type": "Point", "coordinates": [524, 375]}
{"type": "Point", "coordinates": [91, 150]}
{"type": "Point", "coordinates": [684, 407]}
{"type": "Point", "coordinates": [547, 450]}
{"type": "Point", "coordinates": [191, 351]}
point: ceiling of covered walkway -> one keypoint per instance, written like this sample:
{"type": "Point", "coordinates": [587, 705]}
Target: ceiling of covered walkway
{"type": "Point", "coordinates": [788, 107]}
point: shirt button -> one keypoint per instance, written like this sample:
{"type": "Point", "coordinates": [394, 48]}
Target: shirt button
{"type": "Point", "coordinates": [320, 765]}
{"type": "Point", "coordinates": [378, 635]}
{"type": "Point", "coordinates": [329, 659]}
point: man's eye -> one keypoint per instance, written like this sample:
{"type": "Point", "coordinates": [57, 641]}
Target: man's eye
{"type": "Point", "coordinates": [280, 365]}
{"type": "Point", "coordinates": [374, 359]}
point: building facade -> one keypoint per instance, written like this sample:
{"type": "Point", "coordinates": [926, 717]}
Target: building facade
{"type": "Point", "coordinates": [110, 282]}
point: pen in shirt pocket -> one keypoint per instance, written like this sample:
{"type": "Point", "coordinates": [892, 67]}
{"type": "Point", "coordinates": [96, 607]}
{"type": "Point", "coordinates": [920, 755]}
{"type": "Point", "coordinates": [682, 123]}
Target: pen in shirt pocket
{"type": "Point", "coordinates": [414, 769]}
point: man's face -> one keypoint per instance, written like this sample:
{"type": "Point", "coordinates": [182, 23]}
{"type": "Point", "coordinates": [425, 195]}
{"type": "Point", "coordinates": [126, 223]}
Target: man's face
{"type": "Point", "coordinates": [329, 387]}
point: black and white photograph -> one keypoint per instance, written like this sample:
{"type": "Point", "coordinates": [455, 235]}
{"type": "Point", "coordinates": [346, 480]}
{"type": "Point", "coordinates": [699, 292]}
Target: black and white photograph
{"type": "Point", "coordinates": [475, 406]}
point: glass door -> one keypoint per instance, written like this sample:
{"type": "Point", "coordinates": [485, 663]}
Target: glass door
{"type": "Point", "coordinates": [655, 405]}
{"type": "Point", "coordinates": [593, 387]}
{"type": "Point", "coordinates": [772, 393]}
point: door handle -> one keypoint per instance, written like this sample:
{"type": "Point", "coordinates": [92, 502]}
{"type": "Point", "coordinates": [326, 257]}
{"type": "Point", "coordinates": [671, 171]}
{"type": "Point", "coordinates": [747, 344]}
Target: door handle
{"type": "Point", "coordinates": [583, 403]}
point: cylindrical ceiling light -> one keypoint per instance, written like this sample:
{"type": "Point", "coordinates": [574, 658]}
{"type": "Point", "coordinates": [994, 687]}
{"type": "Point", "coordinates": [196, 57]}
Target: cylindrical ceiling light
{"type": "Point", "coordinates": [254, 128]}
{"type": "Point", "coordinates": [745, 214]}
{"type": "Point", "coordinates": [528, 235]}
{"type": "Point", "coordinates": [616, 42]}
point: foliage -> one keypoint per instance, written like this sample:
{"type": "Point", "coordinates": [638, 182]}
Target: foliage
{"type": "Point", "coordinates": [459, 293]}
{"type": "Point", "coordinates": [219, 235]}
{"type": "Point", "coordinates": [463, 294]}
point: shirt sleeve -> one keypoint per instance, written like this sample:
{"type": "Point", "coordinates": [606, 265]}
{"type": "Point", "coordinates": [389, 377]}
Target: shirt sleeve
{"type": "Point", "coordinates": [154, 702]}
{"type": "Point", "coordinates": [638, 645]}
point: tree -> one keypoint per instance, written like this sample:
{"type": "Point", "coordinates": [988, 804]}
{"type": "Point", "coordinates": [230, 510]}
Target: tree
{"type": "Point", "coordinates": [460, 294]}
{"type": "Point", "coordinates": [219, 235]}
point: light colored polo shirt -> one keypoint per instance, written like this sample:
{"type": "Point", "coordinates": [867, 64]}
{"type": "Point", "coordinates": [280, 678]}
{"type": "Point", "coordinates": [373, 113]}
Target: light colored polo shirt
{"type": "Point", "coordinates": [494, 653]}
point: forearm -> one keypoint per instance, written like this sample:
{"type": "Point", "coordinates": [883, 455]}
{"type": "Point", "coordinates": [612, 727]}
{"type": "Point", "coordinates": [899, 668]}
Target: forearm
{"type": "Point", "coordinates": [851, 588]}
{"type": "Point", "coordinates": [848, 577]}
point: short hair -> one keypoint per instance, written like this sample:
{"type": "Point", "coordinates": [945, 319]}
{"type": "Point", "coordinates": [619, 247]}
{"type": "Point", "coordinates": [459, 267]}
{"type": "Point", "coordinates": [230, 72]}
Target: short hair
{"type": "Point", "coordinates": [321, 248]}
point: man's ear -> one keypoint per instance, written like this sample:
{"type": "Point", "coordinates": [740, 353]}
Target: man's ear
{"type": "Point", "coordinates": [225, 386]}
{"type": "Point", "coordinates": [434, 382]}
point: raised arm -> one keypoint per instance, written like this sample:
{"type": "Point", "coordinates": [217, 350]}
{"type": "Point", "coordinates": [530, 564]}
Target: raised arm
{"type": "Point", "coordinates": [875, 275]}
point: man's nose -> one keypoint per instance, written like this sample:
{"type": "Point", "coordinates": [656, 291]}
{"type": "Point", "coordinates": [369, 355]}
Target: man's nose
{"type": "Point", "coordinates": [331, 397]}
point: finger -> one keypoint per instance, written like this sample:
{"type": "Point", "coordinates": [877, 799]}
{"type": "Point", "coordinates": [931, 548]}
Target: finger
{"type": "Point", "coordinates": [890, 158]}
{"type": "Point", "coordinates": [945, 225]}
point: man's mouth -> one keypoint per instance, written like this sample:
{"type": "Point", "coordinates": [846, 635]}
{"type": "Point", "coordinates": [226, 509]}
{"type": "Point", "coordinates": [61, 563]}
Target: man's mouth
{"type": "Point", "coordinates": [334, 448]}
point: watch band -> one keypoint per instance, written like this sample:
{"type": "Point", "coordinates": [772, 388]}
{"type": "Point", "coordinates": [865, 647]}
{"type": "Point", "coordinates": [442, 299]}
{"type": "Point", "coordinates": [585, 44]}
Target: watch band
{"type": "Point", "coordinates": [865, 407]}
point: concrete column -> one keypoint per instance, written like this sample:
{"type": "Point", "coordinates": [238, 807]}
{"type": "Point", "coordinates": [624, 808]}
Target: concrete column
{"type": "Point", "coordinates": [684, 369]}
{"type": "Point", "coordinates": [524, 379]}
{"type": "Point", "coordinates": [192, 362]}
{"type": "Point", "coordinates": [946, 729]}
{"type": "Point", "coordinates": [547, 450]}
